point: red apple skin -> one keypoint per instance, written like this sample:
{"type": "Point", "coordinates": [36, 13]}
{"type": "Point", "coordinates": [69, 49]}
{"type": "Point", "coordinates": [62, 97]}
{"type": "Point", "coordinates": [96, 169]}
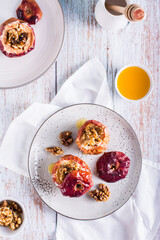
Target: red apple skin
{"type": "Point", "coordinates": [29, 11]}
{"type": "Point", "coordinates": [2, 26]}
{"type": "Point", "coordinates": [97, 149]}
{"type": "Point", "coordinates": [83, 165]}
{"type": "Point", "coordinates": [113, 166]}
{"type": "Point", "coordinates": [11, 55]}
{"type": "Point", "coordinates": [69, 186]}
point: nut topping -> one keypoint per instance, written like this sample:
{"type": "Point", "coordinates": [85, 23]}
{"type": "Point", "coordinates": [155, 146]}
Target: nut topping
{"type": "Point", "coordinates": [55, 150]}
{"type": "Point", "coordinates": [66, 138]}
{"type": "Point", "coordinates": [16, 38]}
{"type": "Point", "coordinates": [102, 194]}
{"type": "Point", "coordinates": [6, 216]}
{"type": "Point", "coordinates": [66, 168]}
{"type": "Point", "coordinates": [91, 135]}
{"type": "Point", "coordinates": [9, 215]}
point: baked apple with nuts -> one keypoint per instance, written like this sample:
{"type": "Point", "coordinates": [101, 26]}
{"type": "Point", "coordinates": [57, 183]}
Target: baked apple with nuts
{"type": "Point", "coordinates": [113, 166]}
{"type": "Point", "coordinates": [76, 183]}
{"type": "Point", "coordinates": [17, 38]}
{"type": "Point", "coordinates": [93, 137]}
{"type": "Point", "coordinates": [65, 165]}
{"type": "Point", "coordinates": [72, 175]}
{"type": "Point", "coordinates": [29, 11]}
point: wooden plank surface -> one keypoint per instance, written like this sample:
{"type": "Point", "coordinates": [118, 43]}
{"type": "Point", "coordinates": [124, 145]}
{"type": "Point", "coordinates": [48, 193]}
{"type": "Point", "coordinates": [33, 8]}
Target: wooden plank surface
{"type": "Point", "coordinates": [84, 39]}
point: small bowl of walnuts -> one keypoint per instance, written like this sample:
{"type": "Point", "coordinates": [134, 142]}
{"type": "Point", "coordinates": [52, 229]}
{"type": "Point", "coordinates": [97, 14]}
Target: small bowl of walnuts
{"type": "Point", "coordinates": [12, 217]}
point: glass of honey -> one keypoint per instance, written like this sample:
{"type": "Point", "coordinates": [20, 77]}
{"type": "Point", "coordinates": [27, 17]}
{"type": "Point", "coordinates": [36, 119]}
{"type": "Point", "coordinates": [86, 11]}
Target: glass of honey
{"type": "Point", "coordinates": [134, 82]}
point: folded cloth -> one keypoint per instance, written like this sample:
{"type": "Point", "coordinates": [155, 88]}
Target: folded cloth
{"type": "Point", "coordinates": [87, 85]}
{"type": "Point", "coordinates": [138, 219]}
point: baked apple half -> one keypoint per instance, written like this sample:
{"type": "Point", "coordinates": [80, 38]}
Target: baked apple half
{"type": "Point", "coordinates": [113, 166]}
{"type": "Point", "coordinates": [65, 165]}
{"type": "Point", "coordinates": [76, 183]}
{"type": "Point", "coordinates": [17, 38]}
{"type": "Point", "coordinates": [72, 175]}
{"type": "Point", "coordinates": [92, 137]}
{"type": "Point", "coordinates": [29, 11]}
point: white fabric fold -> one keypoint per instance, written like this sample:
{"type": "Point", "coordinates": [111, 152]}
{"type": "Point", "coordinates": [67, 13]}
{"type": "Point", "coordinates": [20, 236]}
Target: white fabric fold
{"type": "Point", "coordinates": [139, 218]}
{"type": "Point", "coordinates": [87, 85]}
{"type": "Point", "coordinates": [17, 140]}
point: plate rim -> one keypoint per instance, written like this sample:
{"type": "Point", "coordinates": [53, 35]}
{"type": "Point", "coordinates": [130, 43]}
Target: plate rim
{"type": "Point", "coordinates": [35, 134]}
{"type": "Point", "coordinates": [53, 61]}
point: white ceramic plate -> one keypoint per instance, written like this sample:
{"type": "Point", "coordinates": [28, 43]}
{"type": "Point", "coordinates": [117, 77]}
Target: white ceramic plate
{"type": "Point", "coordinates": [122, 138]}
{"type": "Point", "coordinates": [49, 31]}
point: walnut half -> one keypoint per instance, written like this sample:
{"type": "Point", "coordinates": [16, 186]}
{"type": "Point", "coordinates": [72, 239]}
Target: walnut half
{"type": "Point", "coordinates": [102, 194]}
{"type": "Point", "coordinates": [55, 150]}
{"type": "Point", "coordinates": [66, 138]}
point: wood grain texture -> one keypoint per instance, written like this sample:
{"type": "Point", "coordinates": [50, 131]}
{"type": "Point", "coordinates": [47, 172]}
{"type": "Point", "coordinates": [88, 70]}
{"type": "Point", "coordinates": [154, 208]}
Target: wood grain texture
{"type": "Point", "coordinates": [139, 43]}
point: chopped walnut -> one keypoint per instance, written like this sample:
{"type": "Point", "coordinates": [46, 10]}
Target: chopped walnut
{"type": "Point", "coordinates": [5, 204]}
{"type": "Point", "coordinates": [91, 135]}
{"type": "Point", "coordinates": [55, 150]}
{"type": "Point", "coordinates": [9, 215]}
{"type": "Point", "coordinates": [66, 168]}
{"type": "Point", "coordinates": [19, 220]}
{"type": "Point", "coordinates": [6, 216]}
{"type": "Point", "coordinates": [12, 226]}
{"type": "Point", "coordinates": [66, 138]}
{"type": "Point", "coordinates": [102, 194]}
{"type": "Point", "coordinates": [16, 38]}
{"type": "Point", "coordinates": [14, 205]}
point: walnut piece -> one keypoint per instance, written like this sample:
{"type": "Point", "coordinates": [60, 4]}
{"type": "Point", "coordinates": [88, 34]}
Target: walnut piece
{"type": "Point", "coordinates": [66, 168]}
{"type": "Point", "coordinates": [9, 215]}
{"type": "Point", "coordinates": [102, 194]}
{"type": "Point", "coordinates": [55, 150]}
{"type": "Point", "coordinates": [91, 135]}
{"type": "Point", "coordinates": [66, 138]}
{"type": "Point", "coordinates": [16, 38]}
{"type": "Point", "coordinates": [6, 216]}
{"type": "Point", "coordinates": [12, 226]}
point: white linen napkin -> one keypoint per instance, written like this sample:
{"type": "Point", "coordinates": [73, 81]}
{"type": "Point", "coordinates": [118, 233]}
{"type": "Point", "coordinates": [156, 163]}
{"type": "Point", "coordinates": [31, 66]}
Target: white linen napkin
{"type": "Point", "coordinates": [139, 218]}
{"type": "Point", "coordinates": [87, 85]}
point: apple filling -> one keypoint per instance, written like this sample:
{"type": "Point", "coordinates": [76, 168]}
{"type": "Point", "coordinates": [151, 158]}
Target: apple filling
{"type": "Point", "coordinates": [65, 168]}
{"type": "Point", "coordinates": [16, 38]}
{"type": "Point", "coordinates": [92, 135]}
{"type": "Point", "coordinates": [79, 186]}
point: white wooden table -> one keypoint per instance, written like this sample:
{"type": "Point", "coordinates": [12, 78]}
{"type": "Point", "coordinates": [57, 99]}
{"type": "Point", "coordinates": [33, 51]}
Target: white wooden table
{"type": "Point", "coordinates": [84, 39]}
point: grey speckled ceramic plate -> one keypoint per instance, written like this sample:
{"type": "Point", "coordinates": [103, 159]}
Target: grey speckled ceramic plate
{"type": "Point", "coordinates": [122, 138]}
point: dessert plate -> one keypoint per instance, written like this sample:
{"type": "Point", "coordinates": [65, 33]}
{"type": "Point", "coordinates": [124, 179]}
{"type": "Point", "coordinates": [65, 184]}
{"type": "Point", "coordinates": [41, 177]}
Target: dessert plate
{"type": "Point", "coordinates": [122, 138]}
{"type": "Point", "coordinates": [49, 31]}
